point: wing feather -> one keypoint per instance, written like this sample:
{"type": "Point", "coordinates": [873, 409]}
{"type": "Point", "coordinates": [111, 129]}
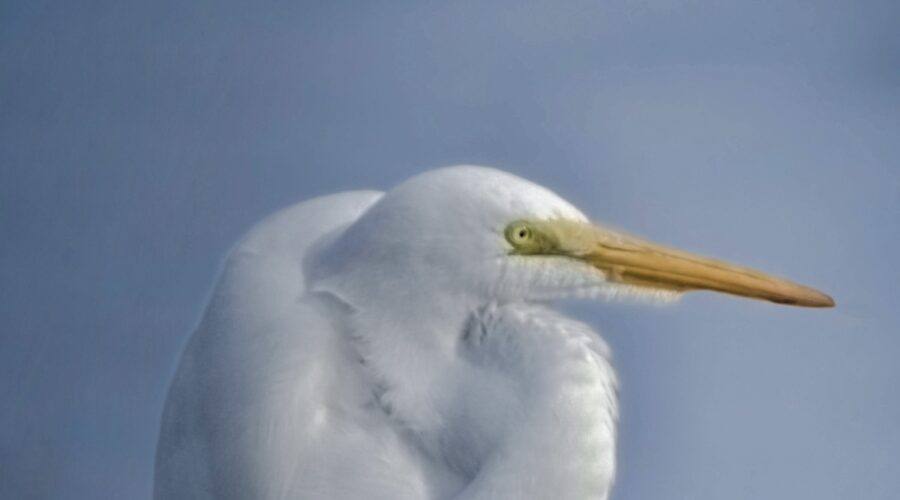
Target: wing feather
{"type": "Point", "coordinates": [257, 376]}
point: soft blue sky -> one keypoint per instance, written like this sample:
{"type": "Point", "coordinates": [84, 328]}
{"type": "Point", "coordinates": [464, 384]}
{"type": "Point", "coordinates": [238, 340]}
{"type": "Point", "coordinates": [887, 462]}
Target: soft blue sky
{"type": "Point", "coordinates": [138, 140]}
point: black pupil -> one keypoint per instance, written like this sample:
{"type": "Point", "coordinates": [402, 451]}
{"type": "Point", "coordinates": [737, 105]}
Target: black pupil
{"type": "Point", "coordinates": [523, 233]}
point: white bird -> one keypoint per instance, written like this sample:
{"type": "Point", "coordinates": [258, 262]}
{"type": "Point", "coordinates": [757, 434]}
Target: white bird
{"type": "Point", "coordinates": [394, 346]}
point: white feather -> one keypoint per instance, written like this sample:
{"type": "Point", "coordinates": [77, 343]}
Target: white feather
{"type": "Point", "coordinates": [389, 347]}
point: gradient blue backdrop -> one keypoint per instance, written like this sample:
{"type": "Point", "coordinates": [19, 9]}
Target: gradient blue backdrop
{"type": "Point", "coordinates": [140, 139]}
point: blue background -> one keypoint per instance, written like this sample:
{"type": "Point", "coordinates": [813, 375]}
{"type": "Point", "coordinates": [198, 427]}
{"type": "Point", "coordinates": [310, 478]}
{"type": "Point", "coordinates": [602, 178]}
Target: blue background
{"type": "Point", "coordinates": [139, 140]}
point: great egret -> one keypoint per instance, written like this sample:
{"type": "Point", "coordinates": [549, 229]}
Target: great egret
{"type": "Point", "coordinates": [394, 346]}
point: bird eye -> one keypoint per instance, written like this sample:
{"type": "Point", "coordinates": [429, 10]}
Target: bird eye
{"type": "Point", "coordinates": [522, 237]}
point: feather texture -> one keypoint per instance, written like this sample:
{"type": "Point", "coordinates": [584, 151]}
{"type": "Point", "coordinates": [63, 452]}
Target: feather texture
{"type": "Point", "coordinates": [337, 360]}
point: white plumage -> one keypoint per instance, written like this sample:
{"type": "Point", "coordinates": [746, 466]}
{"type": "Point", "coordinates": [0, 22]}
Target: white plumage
{"type": "Point", "coordinates": [393, 346]}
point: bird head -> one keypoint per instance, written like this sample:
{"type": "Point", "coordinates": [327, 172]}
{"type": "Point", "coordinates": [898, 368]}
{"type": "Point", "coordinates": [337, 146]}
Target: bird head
{"type": "Point", "coordinates": [472, 234]}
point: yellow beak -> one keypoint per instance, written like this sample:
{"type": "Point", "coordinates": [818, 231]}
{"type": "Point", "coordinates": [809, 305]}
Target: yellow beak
{"type": "Point", "coordinates": [627, 259]}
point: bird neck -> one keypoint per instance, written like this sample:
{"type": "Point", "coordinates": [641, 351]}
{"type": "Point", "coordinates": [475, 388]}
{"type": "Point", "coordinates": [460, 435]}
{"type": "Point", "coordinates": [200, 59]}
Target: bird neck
{"type": "Point", "coordinates": [409, 355]}
{"type": "Point", "coordinates": [498, 392]}
{"type": "Point", "coordinates": [542, 394]}
{"type": "Point", "coordinates": [404, 326]}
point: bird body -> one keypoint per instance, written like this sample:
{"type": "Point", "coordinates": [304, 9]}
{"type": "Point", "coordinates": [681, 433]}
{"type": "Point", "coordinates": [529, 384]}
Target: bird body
{"type": "Point", "coordinates": [396, 346]}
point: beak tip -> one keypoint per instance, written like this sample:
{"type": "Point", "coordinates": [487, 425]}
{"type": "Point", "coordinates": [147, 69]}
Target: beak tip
{"type": "Point", "coordinates": [813, 299]}
{"type": "Point", "coordinates": [819, 299]}
{"type": "Point", "coordinates": [826, 301]}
